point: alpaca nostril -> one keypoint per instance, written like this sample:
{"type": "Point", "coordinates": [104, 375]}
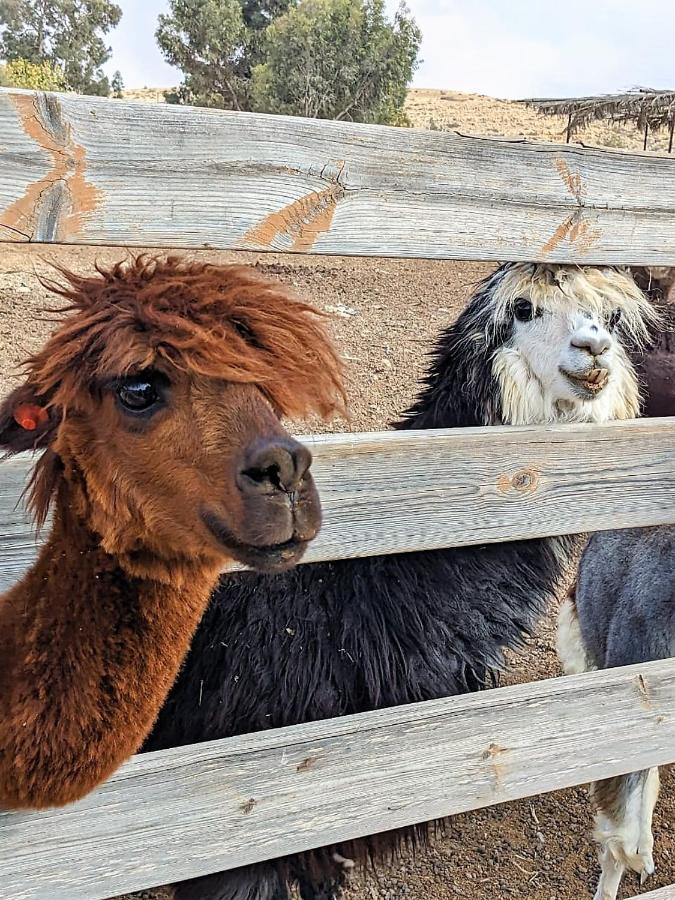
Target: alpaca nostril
{"type": "Point", "coordinates": [595, 344]}
{"type": "Point", "coordinates": [270, 475]}
{"type": "Point", "coordinates": [278, 465]}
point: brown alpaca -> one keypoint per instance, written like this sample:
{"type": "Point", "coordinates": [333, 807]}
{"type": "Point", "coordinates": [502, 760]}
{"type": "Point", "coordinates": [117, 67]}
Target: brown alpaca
{"type": "Point", "coordinates": [157, 405]}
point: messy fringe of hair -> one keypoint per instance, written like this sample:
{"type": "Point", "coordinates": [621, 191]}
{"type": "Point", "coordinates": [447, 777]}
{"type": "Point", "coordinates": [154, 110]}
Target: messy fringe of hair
{"type": "Point", "coordinates": [211, 320]}
{"type": "Point", "coordinates": [597, 289]}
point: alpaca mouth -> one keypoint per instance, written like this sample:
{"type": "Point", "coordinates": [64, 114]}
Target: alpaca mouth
{"type": "Point", "coordinates": [591, 383]}
{"type": "Point", "coordinates": [266, 558]}
{"type": "Point", "coordinates": [273, 558]}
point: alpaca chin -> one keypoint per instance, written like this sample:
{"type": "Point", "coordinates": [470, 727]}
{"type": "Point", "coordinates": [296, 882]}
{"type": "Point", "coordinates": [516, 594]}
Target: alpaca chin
{"type": "Point", "coordinates": [525, 400]}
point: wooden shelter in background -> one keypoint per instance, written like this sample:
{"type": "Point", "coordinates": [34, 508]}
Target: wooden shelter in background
{"type": "Point", "coordinates": [649, 109]}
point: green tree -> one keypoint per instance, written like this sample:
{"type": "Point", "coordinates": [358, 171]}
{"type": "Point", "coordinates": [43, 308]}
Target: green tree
{"type": "Point", "coordinates": [338, 59]}
{"type": "Point", "coordinates": [117, 85]}
{"type": "Point", "coordinates": [69, 34]}
{"type": "Point", "coordinates": [216, 44]}
{"type": "Point", "coordinates": [258, 15]}
{"type": "Point", "coordinates": [37, 76]}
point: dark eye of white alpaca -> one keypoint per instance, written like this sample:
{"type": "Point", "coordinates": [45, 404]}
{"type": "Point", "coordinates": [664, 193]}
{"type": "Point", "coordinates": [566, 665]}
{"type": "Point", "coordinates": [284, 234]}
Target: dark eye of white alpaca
{"type": "Point", "coordinates": [524, 311]}
{"type": "Point", "coordinates": [138, 394]}
{"type": "Point", "coordinates": [614, 319]}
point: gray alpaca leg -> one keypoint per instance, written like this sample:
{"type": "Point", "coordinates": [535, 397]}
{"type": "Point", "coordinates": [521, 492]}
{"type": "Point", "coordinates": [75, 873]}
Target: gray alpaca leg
{"type": "Point", "coordinates": [623, 827]}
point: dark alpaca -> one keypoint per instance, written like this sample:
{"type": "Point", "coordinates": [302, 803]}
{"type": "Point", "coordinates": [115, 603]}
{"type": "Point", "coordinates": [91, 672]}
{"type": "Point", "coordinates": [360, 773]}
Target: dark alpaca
{"type": "Point", "coordinates": [655, 364]}
{"type": "Point", "coordinates": [621, 612]}
{"type": "Point", "coordinates": [343, 637]}
{"type": "Point", "coordinates": [156, 403]}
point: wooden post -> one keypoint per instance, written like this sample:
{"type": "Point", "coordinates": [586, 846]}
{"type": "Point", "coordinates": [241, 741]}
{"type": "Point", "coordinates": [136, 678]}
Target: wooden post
{"type": "Point", "coordinates": [644, 143]}
{"type": "Point", "coordinates": [569, 128]}
{"type": "Point", "coordinates": [670, 134]}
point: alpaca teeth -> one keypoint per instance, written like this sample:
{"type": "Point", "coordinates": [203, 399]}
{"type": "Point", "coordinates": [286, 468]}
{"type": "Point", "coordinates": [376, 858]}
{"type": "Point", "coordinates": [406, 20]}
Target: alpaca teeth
{"type": "Point", "coordinates": [596, 379]}
{"type": "Point", "coordinates": [597, 376]}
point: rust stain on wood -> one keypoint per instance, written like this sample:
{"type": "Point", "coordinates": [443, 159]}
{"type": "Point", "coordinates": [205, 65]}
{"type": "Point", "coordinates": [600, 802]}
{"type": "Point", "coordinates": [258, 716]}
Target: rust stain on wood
{"type": "Point", "coordinates": [574, 229]}
{"type": "Point", "coordinates": [307, 764]}
{"type": "Point", "coordinates": [493, 750]}
{"type": "Point", "coordinates": [55, 207]}
{"type": "Point", "coordinates": [301, 222]}
{"type": "Point", "coordinates": [643, 691]}
{"type": "Point", "coordinates": [493, 755]}
{"type": "Point", "coordinates": [573, 181]}
{"type": "Point", "coordinates": [558, 235]}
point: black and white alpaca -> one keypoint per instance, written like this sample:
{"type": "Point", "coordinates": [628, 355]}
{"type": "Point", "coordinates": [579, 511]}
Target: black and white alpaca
{"type": "Point", "coordinates": [623, 612]}
{"type": "Point", "coordinates": [536, 344]}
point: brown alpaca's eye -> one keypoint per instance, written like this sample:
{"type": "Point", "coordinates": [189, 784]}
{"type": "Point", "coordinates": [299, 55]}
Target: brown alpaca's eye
{"type": "Point", "coordinates": [244, 331]}
{"type": "Point", "coordinates": [137, 395]}
{"type": "Point", "coordinates": [524, 311]}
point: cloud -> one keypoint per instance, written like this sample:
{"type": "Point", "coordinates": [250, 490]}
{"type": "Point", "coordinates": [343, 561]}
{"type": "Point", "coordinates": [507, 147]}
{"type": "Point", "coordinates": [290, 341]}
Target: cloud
{"type": "Point", "coordinates": [530, 48]}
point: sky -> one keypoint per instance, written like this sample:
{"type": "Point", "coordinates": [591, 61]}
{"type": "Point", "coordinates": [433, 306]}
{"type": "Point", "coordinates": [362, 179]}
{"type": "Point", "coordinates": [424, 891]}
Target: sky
{"type": "Point", "coordinates": [503, 48]}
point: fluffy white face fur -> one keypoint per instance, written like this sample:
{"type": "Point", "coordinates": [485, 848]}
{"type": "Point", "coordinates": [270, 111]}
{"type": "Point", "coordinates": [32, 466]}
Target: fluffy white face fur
{"type": "Point", "coordinates": [565, 359]}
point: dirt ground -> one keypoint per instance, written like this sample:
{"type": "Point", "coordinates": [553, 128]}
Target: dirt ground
{"type": "Point", "coordinates": [385, 316]}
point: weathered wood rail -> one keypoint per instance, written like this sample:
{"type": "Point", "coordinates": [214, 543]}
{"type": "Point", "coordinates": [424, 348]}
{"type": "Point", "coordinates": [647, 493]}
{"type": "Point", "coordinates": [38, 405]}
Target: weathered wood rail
{"type": "Point", "coordinates": [213, 806]}
{"type": "Point", "coordinates": [665, 893]}
{"type": "Point", "coordinates": [85, 170]}
{"type": "Point", "coordinates": [467, 486]}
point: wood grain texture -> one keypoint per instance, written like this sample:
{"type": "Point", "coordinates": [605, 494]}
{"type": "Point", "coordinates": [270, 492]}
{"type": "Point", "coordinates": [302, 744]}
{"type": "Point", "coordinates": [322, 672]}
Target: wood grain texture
{"type": "Point", "coordinates": [88, 170]}
{"type": "Point", "coordinates": [664, 893]}
{"type": "Point", "coordinates": [418, 490]}
{"type": "Point", "coordinates": [193, 810]}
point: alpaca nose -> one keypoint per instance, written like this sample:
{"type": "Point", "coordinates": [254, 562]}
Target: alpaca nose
{"type": "Point", "coordinates": [274, 465]}
{"type": "Point", "coordinates": [593, 339]}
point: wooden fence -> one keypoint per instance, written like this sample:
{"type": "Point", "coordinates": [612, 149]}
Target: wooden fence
{"type": "Point", "coordinates": [91, 171]}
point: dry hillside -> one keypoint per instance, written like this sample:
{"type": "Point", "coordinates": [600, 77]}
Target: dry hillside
{"type": "Point", "coordinates": [475, 114]}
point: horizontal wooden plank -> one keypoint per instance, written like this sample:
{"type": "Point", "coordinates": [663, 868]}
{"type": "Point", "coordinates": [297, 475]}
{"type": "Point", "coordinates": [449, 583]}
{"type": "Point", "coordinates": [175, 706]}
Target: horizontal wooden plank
{"type": "Point", "coordinates": [194, 810]}
{"type": "Point", "coordinates": [418, 490]}
{"type": "Point", "coordinates": [664, 893]}
{"type": "Point", "coordinates": [88, 170]}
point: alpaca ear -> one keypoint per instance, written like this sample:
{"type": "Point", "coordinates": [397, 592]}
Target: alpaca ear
{"type": "Point", "coordinates": [26, 423]}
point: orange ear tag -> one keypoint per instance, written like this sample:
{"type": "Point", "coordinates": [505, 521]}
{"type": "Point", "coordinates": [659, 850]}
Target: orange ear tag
{"type": "Point", "coordinates": [30, 415]}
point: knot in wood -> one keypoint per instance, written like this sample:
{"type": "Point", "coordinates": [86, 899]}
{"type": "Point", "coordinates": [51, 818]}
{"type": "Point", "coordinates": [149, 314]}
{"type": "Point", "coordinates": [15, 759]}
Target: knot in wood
{"type": "Point", "coordinates": [525, 480]}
